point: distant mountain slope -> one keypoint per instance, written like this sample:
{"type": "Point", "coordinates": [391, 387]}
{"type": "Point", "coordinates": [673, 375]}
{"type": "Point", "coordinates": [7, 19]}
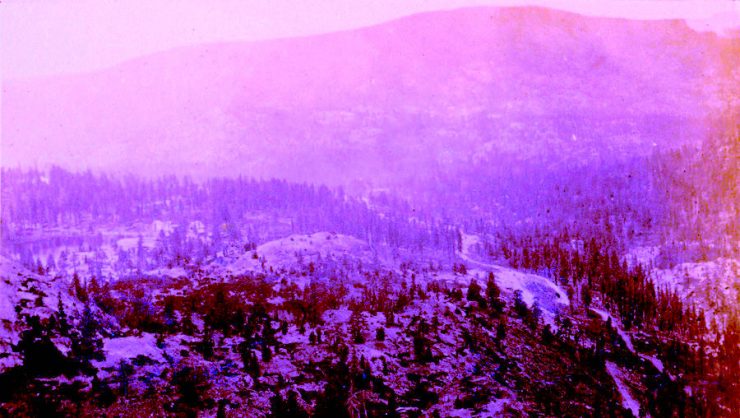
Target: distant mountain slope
{"type": "Point", "coordinates": [381, 103]}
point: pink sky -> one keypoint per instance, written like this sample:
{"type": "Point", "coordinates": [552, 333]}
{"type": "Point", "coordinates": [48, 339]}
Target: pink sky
{"type": "Point", "coordinates": [45, 37]}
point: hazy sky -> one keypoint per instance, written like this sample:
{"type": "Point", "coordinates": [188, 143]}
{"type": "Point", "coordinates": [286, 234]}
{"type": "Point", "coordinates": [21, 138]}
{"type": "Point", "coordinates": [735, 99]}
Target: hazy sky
{"type": "Point", "coordinates": [43, 37]}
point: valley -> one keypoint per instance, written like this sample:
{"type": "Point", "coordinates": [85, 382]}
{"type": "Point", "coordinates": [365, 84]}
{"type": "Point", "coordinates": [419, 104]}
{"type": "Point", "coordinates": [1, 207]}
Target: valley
{"type": "Point", "coordinates": [478, 212]}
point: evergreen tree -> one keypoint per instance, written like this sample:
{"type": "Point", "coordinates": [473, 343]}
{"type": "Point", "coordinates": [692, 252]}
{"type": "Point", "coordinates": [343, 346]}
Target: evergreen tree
{"type": "Point", "coordinates": [86, 343]}
{"type": "Point", "coordinates": [520, 307]}
{"type": "Point", "coordinates": [191, 384]}
{"type": "Point", "coordinates": [41, 357]}
{"type": "Point", "coordinates": [586, 296]}
{"type": "Point", "coordinates": [286, 408]}
{"type": "Point", "coordinates": [380, 333]}
{"type": "Point", "coordinates": [474, 289]}
{"type": "Point", "coordinates": [358, 326]}
{"type": "Point", "coordinates": [493, 294]}
{"type": "Point", "coordinates": [80, 290]}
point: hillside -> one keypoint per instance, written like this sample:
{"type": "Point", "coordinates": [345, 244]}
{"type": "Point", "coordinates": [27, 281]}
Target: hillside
{"type": "Point", "coordinates": [713, 286]}
{"type": "Point", "coordinates": [24, 294]}
{"type": "Point", "coordinates": [298, 251]}
{"type": "Point", "coordinates": [402, 341]}
{"type": "Point", "coordinates": [231, 296]}
{"type": "Point", "coordinates": [384, 103]}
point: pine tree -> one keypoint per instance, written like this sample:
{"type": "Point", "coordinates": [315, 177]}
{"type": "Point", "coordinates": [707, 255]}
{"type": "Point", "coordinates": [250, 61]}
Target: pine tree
{"type": "Point", "coordinates": [86, 343]}
{"type": "Point", "coordinates": [586, 296]}
{"type": "Point", "coordinates": [474, 289]}
{"type": "Point", "coordinates": [266, 353]}
{"type": "Point", "coordinates": [287, 408]}
{"type": "Point", "coordinates": [50, 263]}
{"type": "Point", "coordinates": [547, 335]}
{"type": "Point", "coordinates": [191, 384]}
{"type": "Point", "coordinates": [249, 360]}
{"type": "Point", "coordinates": [533, 318]}
{"type": "Point", "coordinates": [125, 370]}
{"type": "Point", "coordinates": [380, 333]}
{"type": "Point", "coordinates": [206, 344]}
{"type": "Point", "coordinates": [41, 357]}
{"type": "Point", "coordinates": [501, 331]}
{"type": "Point", "coordinates": [61, 318]}
{"type": "Point", "coordinates": [493, 294]}
{"type": "Point", "coordinates": [520, 307]}
{"type": "Point", "coordinates": [358, 326]}
{"type": "Point", "coordinates": [93, 288]}
{"type": "Point", "coordinates": [80, 291]}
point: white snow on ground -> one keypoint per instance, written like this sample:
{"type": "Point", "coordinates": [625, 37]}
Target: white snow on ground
{"type": "Point", "coordinates": [281, 366]}
{"type": "Point", "coordinates": [544, 291]}
{"type": "Point", "coordinates": [131, 243]}
{"type": "Point", "coordinates": [645, 255]}
{"type": "Point", "coordinates": [615, 323]}
{"type": "Point", "coordinates": [8, 299]}
{"type": "Point", "coordinates": [655, 361]}
{"type": "Point", "coordinates": [21, 287]}
{"type": "Point", "coordinates": [117, 349]}
{"type": "Point", "coordinates": [467, 242]}
{"type": "Point", "coordinates": [341, 315]}
{"type": "Point", "coordinates": [627, 400]}
{"type": "Point", "coordinates": [711, 285]}
{"type": "Point", "coordinates": [302, 249]}
{"type": "Point", "coordinates": [627, 340]}
{"type": "Point", "coordinates": [534, 288]}
{"type": "Point", "coordinates": [10, 287]}
{"type": "Point", "coordinates": [294, 337]}
{"type": "Point", "coordinates": [496, 407]}
{"type": "Point", "coordinates": [11, 361]}
{"type": "Point", "coordinates": [174, 273]}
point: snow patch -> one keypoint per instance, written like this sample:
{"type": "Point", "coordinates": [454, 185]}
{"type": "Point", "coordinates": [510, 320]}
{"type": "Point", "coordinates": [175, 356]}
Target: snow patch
{"type": "Point", "coordinates": [627, 400]}
{"type": "Point", "coordinates": [550, 297]}
{"type": "Point", "coordinates": [712, 286]}
{"type": "Point", "coordinates": [606, 316]}
{"type": "Point", "coordinates": [125, 348]}
{"type": "Point", "coordinates": [655, 361]}
{"type": "Point", "coordinates": [302, 249]}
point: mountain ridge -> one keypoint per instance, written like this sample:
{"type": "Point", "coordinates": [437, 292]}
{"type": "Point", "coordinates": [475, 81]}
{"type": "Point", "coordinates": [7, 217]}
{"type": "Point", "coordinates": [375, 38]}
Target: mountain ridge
{"type": "Point", "coordinates": [251, 108]}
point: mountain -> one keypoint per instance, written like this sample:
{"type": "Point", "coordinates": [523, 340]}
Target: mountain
{"type": "Point", "coordinates": [383, 104]}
